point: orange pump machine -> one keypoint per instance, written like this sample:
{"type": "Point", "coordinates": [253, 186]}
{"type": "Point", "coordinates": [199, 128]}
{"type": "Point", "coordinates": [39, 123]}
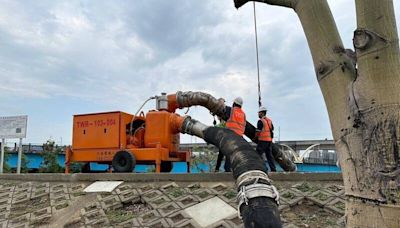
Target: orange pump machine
{"type": "Point", "coordinates": [124, 140]}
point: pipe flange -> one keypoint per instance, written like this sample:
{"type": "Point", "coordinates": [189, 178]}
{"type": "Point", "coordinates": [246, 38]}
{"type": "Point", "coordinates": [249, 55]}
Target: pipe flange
{"type": "Point", "coordinates": [253, 177]}
{"type": "Point", "coordinates": [254, 191]}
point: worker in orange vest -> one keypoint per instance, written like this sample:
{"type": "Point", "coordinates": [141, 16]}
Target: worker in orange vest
{"type": "Point", "coordinates": [237, 123]}
{"type": "Point", "coordinates": [237, 118]}
{"type": "Point", "coordinates": [265, 134]}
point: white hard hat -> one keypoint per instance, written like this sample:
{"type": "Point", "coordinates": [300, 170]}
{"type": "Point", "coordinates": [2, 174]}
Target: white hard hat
{"type": "Point", "coordinates": [238, 101]}
{"type": "Point", "coordinates": [262, 109]}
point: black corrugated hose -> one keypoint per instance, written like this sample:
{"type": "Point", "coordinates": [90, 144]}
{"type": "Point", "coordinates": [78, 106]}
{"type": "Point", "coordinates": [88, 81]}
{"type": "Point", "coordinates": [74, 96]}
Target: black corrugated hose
{"type": "Point", "coordinates": [260, 212]}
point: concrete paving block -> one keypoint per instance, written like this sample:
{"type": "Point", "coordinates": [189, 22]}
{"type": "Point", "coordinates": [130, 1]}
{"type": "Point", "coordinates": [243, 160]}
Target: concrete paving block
{"type": "Point", "coordinates": [93, 216]}
{"type": "Point", "coordinates": [3, 224]}
{"type": "Point", "coordinates": [177, 193]}
{"type": "Point", "coordinates": [283, 207]}
{"type": "Point", "coordinates": [101, 222]}
{"type": "Point", "coordinates": [76, 187]}
{"type": "Point", "coordinates": [187, 201]}
{"type": "Point", "coordinates": [25, 225]}
{"type": "Point", "coordinates": [58, 199]}
{"type": "Point", "coordinates": [159, 201]}
{"type": "Point", "coordinates": [128, 195]}
{"type": "Point", "coordinates": [5, 195]}
{"type": "Point", "coordinates": [341, 222]}
{"type": "Point", "coordinates": [5, 201]}
{"type": "Point", "coordinates": [110, 203]}
{"type": "Point", "coordinates": [58, 193]}
{"type": "Point", "coordinates": [60, 205]}
{"type": "Point", "coordinates": [105, 195]}
{"type": "Point", "coordinates": [76, 195]}
{"type": "Point", "coordinates": [20, 198]}
{"type": "Point", "coordinates": [19, 221]}
{"type": "Point", "coordinates": [189, 224]}
{"type": "Point", "coordinates": [160, 223]}
{"type": "Point", "coordinates": [39, 192]}
{"type": "Point", "coordinates": [148, 196]}
{"type": "Point", "coordinates": [149, 217]}
{"type": "Point", "coordinates": [90, 208]}
{"type": "Point", "coordinates": [123, 187]}
{"type": "Point", "coordinates": [235, 222]}
{"type": "Point", "coordinates": [234, 205]}
{"type": "Point", "coordinates": [40, 220]}
{"type": "Point", "coordinates": [177, 218]}
{"type": "Point", "coordinates": [169, 186]}
{"type": "Point", "coordinates": [7, 189]}
{"type": "Point", "coordinates": [219, 188]}
{"type": "Point", "coordinates": [168, 209]}
{"type": "Point", "coordinates": [41, 185]}
{"type": "Point", "coordinates": [320, 198]}
{"type": "Point", "coordinates": [204, 194]}
{"type": "Point", "coordinates": [142, 189]}
{"type": "Point", "coordinates": [193, 187]}
{"type": "Point", "coordinates": [305, 188]}
{"type": "Point", "coordinates": [128, 224]}
{"type": "Point", "coordinates": [210, 211]}
{"type": "Point", "coordinates": [23, 186]}
{"type": "Point", "coordinates": [41, 212]}
{"type": "Point", "coordinates": [59, 187]}
{"type": "Point", "coordinates": [220, 224]}
{"type": "Point", "coordinates": [291, 197]}
{"type": "Point", "coordinates": [290, 226]}
{"type": "Point", "coordinates": [334, 189]}
{"type": "Point", "coordinates": [4, 216]}
{"type": "Point", "coordinates": [229, 196]}
{"type": "Point", "coordinates": [337, 205]}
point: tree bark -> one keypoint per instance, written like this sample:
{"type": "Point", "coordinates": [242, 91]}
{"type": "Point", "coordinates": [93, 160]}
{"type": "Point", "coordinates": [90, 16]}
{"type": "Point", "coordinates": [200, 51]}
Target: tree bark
{"type": "Point", "coordinates": [363, 103]}
{"type": "Point", "coordinates": [371, 162]}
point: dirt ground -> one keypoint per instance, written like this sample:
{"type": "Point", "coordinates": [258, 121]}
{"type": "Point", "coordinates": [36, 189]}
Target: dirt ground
{"type": "Point", "coordinates": [310, 215]}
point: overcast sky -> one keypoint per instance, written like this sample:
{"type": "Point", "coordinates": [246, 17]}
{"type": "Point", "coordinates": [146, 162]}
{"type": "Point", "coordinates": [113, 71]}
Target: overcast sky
{"type": "Point", "coordinates": [60, 58]}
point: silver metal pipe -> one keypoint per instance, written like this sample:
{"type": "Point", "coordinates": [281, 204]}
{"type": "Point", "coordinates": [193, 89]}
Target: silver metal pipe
{"type": "Point", "coordinates": [189, 99]}
{"type": "Point", "coordinates": [193, 127]}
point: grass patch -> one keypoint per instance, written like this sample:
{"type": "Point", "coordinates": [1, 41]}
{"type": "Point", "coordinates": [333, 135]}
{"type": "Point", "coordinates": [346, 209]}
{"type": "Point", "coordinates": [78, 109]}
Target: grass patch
{"type": "Point", "coordinates": [176, 192]}
{"type": "Point", "coordinates": [230, 194]}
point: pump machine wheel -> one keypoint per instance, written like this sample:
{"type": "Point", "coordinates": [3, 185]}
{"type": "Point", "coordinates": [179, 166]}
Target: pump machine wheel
{"type": "Point", "coordinates": [123, 162]}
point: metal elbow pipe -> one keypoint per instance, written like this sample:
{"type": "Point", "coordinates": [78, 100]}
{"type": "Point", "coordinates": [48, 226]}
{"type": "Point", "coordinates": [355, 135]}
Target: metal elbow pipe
{"type": "Point", "coordinates": [189, 99]}
{"type": "Point", "coordinates": [257, 197]}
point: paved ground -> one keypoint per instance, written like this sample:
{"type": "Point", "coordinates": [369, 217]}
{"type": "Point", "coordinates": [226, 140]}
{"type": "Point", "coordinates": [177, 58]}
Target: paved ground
{"type": "Point", "coordinates": [160, 204]}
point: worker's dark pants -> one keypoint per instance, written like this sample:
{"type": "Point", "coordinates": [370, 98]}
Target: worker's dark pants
{"type": "Point", "coordinates": [227, 165]}
{"type": "Point", "coordinates": [266, 147]}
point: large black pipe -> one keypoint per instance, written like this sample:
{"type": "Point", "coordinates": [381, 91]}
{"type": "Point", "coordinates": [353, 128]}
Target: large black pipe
{"type": "Point", "coordinates": [218, 107]}
{"type": "Point", "coordinates": [280, 157]}
{"type": "Point", "coordinates": [258, 211]}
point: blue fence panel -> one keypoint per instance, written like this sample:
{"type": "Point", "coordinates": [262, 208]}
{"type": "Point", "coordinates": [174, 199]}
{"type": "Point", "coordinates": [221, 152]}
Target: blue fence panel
{"type": "Point", "coordinates": [35, 161]}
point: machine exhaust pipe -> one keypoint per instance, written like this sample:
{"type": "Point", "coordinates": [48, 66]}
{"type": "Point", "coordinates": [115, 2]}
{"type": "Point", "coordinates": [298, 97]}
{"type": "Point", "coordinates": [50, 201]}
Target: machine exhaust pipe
{"type": "Point", "coordinates": [257, 197]}
{"type": "Point", "coordinates": [217, 107]}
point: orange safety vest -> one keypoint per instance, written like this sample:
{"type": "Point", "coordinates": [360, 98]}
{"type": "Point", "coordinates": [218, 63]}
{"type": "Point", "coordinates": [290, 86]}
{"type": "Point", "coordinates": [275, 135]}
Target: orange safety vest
{"type": "Point", "coordinates": [237, 121]}
{"type": "Point", "coordinates": [265, 133]}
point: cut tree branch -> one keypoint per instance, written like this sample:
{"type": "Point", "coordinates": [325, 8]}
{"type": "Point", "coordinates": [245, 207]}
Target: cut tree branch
{"type": "Point", "coordinates": [284, 3]}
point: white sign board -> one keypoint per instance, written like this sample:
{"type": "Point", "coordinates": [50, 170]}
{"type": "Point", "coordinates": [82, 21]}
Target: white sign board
{"type": "Point", "coordinates": [13, 127]}
{"type": "Point", "coordinates": [102, 186]}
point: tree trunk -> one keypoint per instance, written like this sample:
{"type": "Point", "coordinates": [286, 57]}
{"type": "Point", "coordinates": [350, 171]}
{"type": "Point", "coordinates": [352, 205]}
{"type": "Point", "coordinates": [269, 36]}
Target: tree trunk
{"type": "Point", "coordinates": [371, 166]}
{"type": "Point", "coordinates": [363, 103]}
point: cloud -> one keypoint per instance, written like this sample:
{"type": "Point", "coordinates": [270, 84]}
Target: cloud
{"type": "Point", "coordinates": [116, 54]}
